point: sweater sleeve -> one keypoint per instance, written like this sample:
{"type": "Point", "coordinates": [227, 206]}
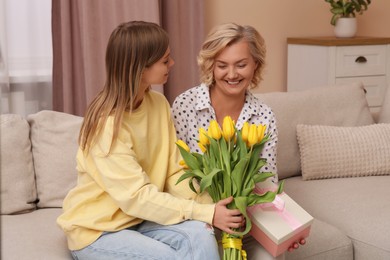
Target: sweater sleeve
{"type": "Point", "coordinates": [120, 175]}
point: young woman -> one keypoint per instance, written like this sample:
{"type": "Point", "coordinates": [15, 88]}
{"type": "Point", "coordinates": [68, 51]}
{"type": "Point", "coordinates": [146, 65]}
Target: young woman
{"type": "Point", "coordinates": [231, 62]}
{"type": "Point", "coordinates": [126, 204]}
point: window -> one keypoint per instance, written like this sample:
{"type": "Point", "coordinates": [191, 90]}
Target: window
{"type": "Point", "coordinates": [25, 56]}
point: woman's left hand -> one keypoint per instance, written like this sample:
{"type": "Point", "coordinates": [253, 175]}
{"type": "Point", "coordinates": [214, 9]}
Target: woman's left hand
{"type": "Point", "coordinates": [295, 245]}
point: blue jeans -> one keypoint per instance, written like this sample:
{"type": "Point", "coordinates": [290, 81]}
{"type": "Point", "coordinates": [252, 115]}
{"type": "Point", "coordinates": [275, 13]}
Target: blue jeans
{"type": "Point", "coordinates": [186, 240]}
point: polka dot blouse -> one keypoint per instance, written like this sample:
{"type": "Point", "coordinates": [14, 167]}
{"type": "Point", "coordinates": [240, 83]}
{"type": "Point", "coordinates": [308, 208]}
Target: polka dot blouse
{"type": "Point", "coordinates": [192, 110]}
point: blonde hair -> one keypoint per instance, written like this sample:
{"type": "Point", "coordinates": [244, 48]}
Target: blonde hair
{"type": "Point", "coordinates": [225, 35]}
{"type": "Point", "coordinates": [132, 47]}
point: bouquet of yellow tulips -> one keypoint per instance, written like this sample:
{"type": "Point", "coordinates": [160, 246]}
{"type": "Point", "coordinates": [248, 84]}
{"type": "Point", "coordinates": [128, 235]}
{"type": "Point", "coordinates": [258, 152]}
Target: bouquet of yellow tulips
{"type": "Point", "coordinates": [229, 166]}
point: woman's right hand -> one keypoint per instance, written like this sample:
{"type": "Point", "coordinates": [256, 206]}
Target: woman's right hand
{"type": "Point", "coordinates": [227, 219]}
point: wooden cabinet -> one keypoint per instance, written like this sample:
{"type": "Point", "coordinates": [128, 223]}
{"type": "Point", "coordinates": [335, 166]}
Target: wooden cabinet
{"type": "Point", "coordinates": [314, 62]}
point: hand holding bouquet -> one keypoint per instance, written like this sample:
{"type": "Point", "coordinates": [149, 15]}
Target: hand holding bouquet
{"type": "Point", "coordinates": [229, 166]}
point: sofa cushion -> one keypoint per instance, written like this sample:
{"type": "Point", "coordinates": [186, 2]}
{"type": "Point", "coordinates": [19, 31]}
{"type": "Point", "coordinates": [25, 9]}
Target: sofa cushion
{"type": "Point", "coordinates": [54, 145]}
{"type": "Point", "coordinates": [324, 242]}
{"type": "Point", "coordinates": [336, 151]}
{"type": "Point", "coordinates": [18, 191]}
{"type": "Point", "coordinates": [34, 235]}
{"type": "Point", "coordinates": [384, 115]}
{"type": "Point", "coordinates": [357, 206]}
{"type": "Point", "coordinates": [343, 105]}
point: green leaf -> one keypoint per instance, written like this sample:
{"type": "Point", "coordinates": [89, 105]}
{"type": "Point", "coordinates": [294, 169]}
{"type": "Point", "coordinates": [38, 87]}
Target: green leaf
{"type": "Point", "coordinates": [337, 10]}
{"type": "Point", "coordinates": [260, 177]}
{"type": "Point", "coordinates": [265, 139]}
{"type": "Point", "coordinates": [191, 184]}
{"type": "Point", "coordinates": [187, 174]}
{"type": "Point", "coordinates": [208, 179]}
{"type": "Point", "coordinates": [214, 153]}
{"type": "Point", "coordinates": [225, 155]}
{"type": "Point", "coordinates": [235, 156]}
{"type": "Point", "coordinates": [260, 165]}
{"type": "Point", "coordinates": [238, 173]}
{"type": "Point", "coordinates": [199, 158]}
{"type": "Point", "coordinates": [281, 187]}
{"type": "Point", "coordinates": [199, 173]}
{"type": "Point", "coordinates": [255, 164]}
{"type": "Point", "coordinates": [334, 19]}
{"type": "Point", "coordinates": [190, 160]}
{"type": "Point", "coordinates": [242, 203]}
{"type": "Point", "coordinates": [248, 188]}
{"type": "Point", "coordinates": [254, 198]}
{"type": "Point", "coordinates": [228, 185]}
{"type": "Point", "coordinates": [241, 145]}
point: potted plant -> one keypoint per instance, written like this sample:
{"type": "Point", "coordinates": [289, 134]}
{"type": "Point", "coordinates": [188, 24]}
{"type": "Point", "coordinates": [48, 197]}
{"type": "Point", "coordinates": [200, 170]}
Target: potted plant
{"type": "Point", "coordinates": [344, 13]}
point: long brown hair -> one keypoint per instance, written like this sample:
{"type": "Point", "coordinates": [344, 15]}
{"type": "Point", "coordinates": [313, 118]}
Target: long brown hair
{"type": "Point", "coordinates": [132, 47]}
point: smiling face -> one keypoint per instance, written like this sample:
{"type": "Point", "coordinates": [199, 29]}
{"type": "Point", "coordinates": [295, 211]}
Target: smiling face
{"type": "Point", "coordinates": [234, 69]}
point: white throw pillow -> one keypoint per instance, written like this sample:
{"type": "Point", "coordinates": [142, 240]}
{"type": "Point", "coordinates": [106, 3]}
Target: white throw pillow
{"type": "Point", "coordinates": [332, 151]}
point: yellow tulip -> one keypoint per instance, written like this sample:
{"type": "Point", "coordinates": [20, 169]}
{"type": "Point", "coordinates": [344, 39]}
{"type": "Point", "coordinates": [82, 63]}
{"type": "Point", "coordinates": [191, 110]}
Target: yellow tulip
{"type": "Point", "coordinates": [245, 131]}
{"type": "Point", "coordinates": [204, 140]}
{"type": "Point", "coordinates": [183, 164]}
{"type": "Point", "coordinates": [252, 136]}
{"type": "Point", "coordinates": [261, 132]}
{"type": "Point", "coordinates": [201, 146]}
{"type": "Point", "coordinates": [214, 130]}
{"type": "Point", "coordinates": [182, 144]}
{"type": "Point", "coordinates": [228, 128]}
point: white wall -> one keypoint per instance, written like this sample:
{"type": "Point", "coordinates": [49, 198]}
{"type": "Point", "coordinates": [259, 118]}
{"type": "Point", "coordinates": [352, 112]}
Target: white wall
{"type": "Point", "coordinates": [277, 20]}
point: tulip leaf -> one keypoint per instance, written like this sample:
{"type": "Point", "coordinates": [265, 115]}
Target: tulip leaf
{"type": "Point", "coordinates": [214, 153]}
{"type": "Point", "coordinates": [208, 179]}
{"type": "Point", "coordinates": [254, 198]}
{"type": "Point", "coordinates": [241, 203]}
{"type": "Point", "coordinates": [191, 184]}
{"type": "Point", "coordinates": [199, 158]}
{"type": "Point", "coordinates": [249, 189]}
{"type": "Point", "coordinates": [265, 139]}
{"type": "Point", "coordinates": [225, 155]}
{"type": "Point", "coordinates": [187, 174]}
{"type": "Point", "coordinates": [235, 156]}
{"type": "Point", "coordinates": [241, 145]}
{"type": "Point", "coordinates": [281, 187]}
{"type": "Point", "coordinates": [260, 177]}
{"type": "Point", "coordinates": [190, 160]}
{"type": "Point", "coordinates": [237, 173]}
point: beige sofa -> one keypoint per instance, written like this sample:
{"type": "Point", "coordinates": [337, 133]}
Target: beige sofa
{"type": "Point", "coordinates": [351, 209]}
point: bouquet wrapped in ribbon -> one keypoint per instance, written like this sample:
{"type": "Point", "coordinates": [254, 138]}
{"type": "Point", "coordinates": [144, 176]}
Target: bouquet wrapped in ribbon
{"type": "Point", "coordinates": [229, 166]}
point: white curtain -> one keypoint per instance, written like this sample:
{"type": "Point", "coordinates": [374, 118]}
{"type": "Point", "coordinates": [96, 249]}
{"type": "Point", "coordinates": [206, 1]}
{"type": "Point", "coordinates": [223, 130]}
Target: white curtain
{"type": "Point", "coordinates": [25, 56]}
{"type": "Point", "coordinates": [4, 79]}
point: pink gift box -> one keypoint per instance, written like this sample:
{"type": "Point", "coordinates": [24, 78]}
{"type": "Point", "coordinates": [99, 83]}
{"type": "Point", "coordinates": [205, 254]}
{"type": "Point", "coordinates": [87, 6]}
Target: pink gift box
{"type": "Point", "coordinates": [277, 225]}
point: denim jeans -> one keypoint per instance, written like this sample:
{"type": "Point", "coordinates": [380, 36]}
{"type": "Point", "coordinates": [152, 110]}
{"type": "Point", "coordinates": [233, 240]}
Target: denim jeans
{"type": "Point", "coordinates": [186, 240]}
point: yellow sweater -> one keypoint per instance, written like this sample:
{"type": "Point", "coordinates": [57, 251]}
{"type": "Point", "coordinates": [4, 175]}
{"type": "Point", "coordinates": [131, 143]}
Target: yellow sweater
{"type": "Point", "coordinates": [135, 182]}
